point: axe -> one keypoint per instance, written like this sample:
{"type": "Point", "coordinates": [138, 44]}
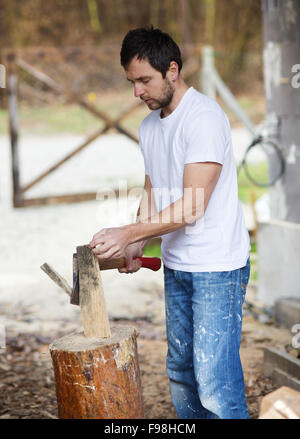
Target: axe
{"type": "Point", "coordinates": [109, 264]}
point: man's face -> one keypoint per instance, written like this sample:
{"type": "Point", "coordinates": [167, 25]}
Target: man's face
{"type": "Point", "coordinates": [149, 85]}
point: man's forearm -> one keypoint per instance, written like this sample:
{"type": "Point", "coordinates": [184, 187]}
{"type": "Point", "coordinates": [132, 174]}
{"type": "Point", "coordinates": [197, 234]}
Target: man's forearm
{"type": "Point", "coordinates": [175, 216]}
{"type": "Point", "coordinates": [146, 208]}
{"type": "Point", "coordinates": [143, 243]}
{"type": "Point", "coordinates": [114, 241]}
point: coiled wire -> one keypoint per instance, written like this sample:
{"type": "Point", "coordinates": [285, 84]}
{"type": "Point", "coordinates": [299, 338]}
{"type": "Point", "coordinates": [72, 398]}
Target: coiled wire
{"type": "Point", "coordinates": [260, 140]}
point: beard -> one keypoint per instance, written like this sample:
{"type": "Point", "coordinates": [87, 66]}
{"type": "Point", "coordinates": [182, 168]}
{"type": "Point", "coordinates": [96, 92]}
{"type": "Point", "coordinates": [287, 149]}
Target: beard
{"type": "Point", "coordinates": [165, 98]}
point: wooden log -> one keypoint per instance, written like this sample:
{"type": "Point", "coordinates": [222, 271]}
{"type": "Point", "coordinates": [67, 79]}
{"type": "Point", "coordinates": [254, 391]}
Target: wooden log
{"type": "Point", "coordinates": [91, 296]}
{"type": "Point", "coordinates": [98, 378]}
{"type": "Point", "coordinates": [283, 403]}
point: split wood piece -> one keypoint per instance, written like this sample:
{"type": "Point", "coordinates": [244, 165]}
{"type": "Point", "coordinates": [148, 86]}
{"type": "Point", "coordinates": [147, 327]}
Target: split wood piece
{"type": "Point", "coordinates": [57, 278]}
{"type": "Point", "coordinates": [91, 297]}
{"type": "Point", "coordinates": [283, 403]}
{"type": "Point", "coordinates": [98, 378]}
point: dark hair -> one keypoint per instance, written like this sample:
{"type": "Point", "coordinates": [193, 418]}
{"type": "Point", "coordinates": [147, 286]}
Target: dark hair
{"type": "Point", "coordinates": [151, 44]}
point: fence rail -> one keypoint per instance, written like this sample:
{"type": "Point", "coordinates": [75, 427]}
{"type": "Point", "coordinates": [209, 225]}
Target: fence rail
{"type": "Point", "coordinates": [209, 81]}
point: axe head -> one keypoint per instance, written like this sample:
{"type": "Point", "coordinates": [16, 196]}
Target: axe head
{"type": "Point", "coordinates": [74, 298]}
{"type": "Point", "coordinates": [151, 263]}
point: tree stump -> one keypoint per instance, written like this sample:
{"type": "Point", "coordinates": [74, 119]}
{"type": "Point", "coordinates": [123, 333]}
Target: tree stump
{"type": "Point", "coordinates": [96, 371]}
{"type": "Point", "coordinates": [98, 378]}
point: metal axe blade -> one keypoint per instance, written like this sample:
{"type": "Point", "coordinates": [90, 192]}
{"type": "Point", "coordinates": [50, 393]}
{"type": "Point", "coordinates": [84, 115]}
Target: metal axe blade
{"type": "Point", "coordinates": [74, 298]}
{"type": "Point", "coordinates": [150, 263]}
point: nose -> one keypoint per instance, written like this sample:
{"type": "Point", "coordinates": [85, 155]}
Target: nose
{"type": "Point", "coordinates": [138, 90]}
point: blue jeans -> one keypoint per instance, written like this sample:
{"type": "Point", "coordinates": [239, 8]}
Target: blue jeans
{"type": "Point", "coordinates": [204, 323]}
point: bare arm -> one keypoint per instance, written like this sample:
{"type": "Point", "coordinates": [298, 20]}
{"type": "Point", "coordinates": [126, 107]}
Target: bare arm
{"type": "Point", "coordinates": [197, 177]}
{"type": "Point", "coordinates": [135, 249]}
{"type": "Point", "coordinates": [147, 207]}
{"type": "Point", "coordinates": [201, 177]}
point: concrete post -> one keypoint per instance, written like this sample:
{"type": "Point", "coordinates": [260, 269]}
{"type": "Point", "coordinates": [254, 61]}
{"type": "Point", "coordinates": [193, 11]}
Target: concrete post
{"type": "Point", "coordinates": [208, 67]}
{"type": "Point", "coordinates": [278, 240]}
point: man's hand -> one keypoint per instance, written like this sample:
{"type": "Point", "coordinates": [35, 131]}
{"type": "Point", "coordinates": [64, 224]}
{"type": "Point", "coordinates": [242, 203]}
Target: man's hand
{"type": "Point", "coordinates": [132, 251]}
{"type": "Point", "coordinates": [114, 243]}
{"type": "Point", "coordinates": [111, 242]}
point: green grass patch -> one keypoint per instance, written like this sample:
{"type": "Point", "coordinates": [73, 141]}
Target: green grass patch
{"type": "Point", "coordinates": [152, 250]}
{"type": "Point", "coordinates": [57, 119]}
{"type": "Point", "coordinates": [253, 247]}
{"type": "Point", "coordinates": [245, 187]}
{"type": "Point", "coordinates": [3, 122]}
{"type": "Point", "coordinates": [72, 118]}
{"type": "Point", "coordinates": [254, 268]}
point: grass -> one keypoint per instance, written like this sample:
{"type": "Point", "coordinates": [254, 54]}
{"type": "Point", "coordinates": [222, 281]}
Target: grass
{"type": "Point", "coordinates": [152, 250]}
{"type": "Point", "coordinates": [253, 264]}
{"type": "Point", "coordinates": [71, 118]}
{"type": "Point", "coordinates": [3, 122]}
{"type": "Point", "coordinates": [246, 188]}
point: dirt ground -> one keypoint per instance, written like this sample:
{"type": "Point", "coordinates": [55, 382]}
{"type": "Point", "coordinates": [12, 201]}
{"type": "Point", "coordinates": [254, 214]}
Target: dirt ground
{"type": "Point", "coordinates": [27, 380]}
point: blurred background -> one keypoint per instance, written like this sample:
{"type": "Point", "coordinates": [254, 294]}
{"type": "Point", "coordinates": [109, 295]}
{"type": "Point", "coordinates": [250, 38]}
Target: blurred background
{"type": "Point", "coordinates": [76, 47]}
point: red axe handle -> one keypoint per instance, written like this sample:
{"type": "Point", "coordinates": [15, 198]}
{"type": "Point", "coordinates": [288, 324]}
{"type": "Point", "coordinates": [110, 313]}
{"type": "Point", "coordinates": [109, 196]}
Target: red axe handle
{"type": "Point", "coordinates": [151, 263]}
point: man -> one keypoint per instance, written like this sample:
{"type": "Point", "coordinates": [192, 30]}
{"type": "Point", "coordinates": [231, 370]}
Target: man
{"type": "Point", "coordinates": [186, 144]}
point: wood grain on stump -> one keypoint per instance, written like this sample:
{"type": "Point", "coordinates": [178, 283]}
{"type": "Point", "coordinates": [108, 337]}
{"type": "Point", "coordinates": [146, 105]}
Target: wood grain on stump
{"type": "Point", "coordinates": [98, 378]}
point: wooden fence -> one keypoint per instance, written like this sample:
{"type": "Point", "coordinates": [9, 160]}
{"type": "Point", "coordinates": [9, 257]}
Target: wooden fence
{"type": "Point", "coordinates": [14, 61]}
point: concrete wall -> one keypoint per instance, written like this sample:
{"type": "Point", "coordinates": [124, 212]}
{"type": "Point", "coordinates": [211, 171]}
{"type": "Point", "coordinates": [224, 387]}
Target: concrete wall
{"type": "Point", "coordinates": [278, 261]}
{"type": "Point", "coordinates": [279, 240]}
{"type": "Point", "coordinates": [282, 92]}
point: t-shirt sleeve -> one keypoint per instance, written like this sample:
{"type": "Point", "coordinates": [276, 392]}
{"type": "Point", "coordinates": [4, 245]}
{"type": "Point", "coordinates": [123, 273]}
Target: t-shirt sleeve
{"type": "Point", "coordinates": [143, 151]}
{"type": "Point", "coordinates": [205, 138]}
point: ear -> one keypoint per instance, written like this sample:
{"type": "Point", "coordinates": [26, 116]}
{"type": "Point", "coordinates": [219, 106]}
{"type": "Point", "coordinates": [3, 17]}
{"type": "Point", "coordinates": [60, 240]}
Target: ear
{"type": "Point", "coordinates": [173, 72]}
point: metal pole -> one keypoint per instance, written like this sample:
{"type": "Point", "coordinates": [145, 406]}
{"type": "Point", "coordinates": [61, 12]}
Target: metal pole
{"type": "Point", "coordinates": [232, 103]}
{"type": "Point", "coordinates": [213, 83]}
{"type": "Point", "coordinates": [14, 133]}
{"type": "Point", "coordinates": [207, 82]}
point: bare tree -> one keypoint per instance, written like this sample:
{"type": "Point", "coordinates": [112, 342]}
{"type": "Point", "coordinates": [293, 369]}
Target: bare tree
{"type": "Point", "coordinates": [94, 18]}
{"type": "Point", "coordinates": [184, 17]}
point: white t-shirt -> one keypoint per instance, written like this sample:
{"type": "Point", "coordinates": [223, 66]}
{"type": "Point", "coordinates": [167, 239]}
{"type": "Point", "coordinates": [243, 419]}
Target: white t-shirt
{"type": "Point", "coordinates": [197, 130]}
